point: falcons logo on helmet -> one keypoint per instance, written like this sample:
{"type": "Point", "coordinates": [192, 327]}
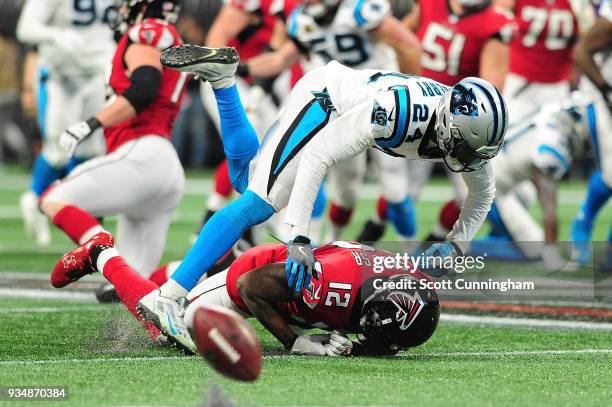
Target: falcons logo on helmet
{"type": "Point", "coordinates": [408, 307]}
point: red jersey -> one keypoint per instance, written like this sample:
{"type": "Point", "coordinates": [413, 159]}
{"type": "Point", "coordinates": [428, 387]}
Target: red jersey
{"type": "Point", "coordinates": [256, 36]}
{"type": "Point", "coordinates": [452, 45]}
{"type": "Point", "coordinates": [547, 30]}
{"type": "Point", "coordinates": [333, 299]}
{"type": "Point", "coordinates": [158, 117]}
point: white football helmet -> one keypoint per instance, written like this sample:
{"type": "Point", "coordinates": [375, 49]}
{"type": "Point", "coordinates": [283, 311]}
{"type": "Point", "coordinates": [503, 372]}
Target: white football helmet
{"type": "Point", "coordinates": [319, 9]}
{"type": "Point", "coordinates": [471, 120]}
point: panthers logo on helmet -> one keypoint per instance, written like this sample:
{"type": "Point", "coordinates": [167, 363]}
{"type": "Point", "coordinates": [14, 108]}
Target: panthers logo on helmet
{"type": "Point", "coordinates": [408, 307]}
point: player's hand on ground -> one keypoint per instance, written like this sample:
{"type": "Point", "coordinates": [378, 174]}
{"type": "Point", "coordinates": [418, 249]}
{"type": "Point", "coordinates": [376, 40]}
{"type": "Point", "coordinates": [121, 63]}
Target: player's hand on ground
{"type": "Point", "coordinates": [435, 257]}
{"type": "Point", "coordinates": [71, 137]}
{"type": "Point", "coordinates": [312, 345]}
{"type": "Point", "coordinates": [553, 259]}
{"type": "Point", "coordinates": [300, 262]}
{"type": "Point", "coordinates": [339, 345]}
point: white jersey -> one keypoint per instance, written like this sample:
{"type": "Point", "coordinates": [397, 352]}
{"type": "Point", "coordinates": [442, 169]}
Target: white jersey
{"type": "Point", "coordinates": [347, 38]}
{"type": "Point", "coordinates": [396, 114]}
{"type": "Point", "coordinates": [543, 142]}
{"type": "Point", "coordinates": [73, 37]}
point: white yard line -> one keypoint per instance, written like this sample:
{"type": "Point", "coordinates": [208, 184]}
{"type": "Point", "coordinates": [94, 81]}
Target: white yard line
{"type": "Point", "coordinates": [47, 295]}
{"type": "Point", "coordinates": [525, 322]}
{"type": "Point", "coordinates": [548, 352]}
{"type": "Point", "coordinates": [50, 310]}
{"type": "Point", "coordinates": [79, 296]}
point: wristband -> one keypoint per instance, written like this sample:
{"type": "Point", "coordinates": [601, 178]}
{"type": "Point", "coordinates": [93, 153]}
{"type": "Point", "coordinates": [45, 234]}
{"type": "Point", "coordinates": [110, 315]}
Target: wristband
{"type": "Point", "coordinates": [242, 70]}
{"type": "Point", "coordinates": [93, 123]}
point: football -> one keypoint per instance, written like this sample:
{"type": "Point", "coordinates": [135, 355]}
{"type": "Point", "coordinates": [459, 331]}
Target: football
{"type": "Point", "coordinates": [228, 343]}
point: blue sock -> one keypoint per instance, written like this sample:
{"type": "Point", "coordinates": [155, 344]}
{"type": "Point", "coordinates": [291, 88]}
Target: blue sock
{"type": "Point", "coordinates": [219, 234]}
{"type": "Point", "coordinates": [319, 203]}
{"type": "Point", "coordinates": [240, 142]}
{"type": "Point", "coordinates": [498, 229]}
{"type": "Point", "coordinates": [237, 134]}
{"type": "Point", "coordinates": [597, 195]}
{"type": "Point", "coordinates": [43, 175]}
{"type": "Point", "coordinates": [74, 162]}
{"type": "Point", "coordinates": [403, 216]}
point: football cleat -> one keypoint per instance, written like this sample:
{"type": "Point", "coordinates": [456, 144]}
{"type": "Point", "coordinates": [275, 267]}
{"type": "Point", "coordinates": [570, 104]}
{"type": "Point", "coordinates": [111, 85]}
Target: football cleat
{"type": "Point", "coordinates": [216, 65]}
{"type": "Point", "coordinates": [36, 223]}
{"type": "Point", "coordinates": [371, 232]}
{"type": "Point", "coordinates": [106, 294]}
{"type": "Point", "coordinates": [78, 263]}
{"type": "Point", "coordinates": [580, 235]}
{"type": "Point", "coordinates": [167, 315]}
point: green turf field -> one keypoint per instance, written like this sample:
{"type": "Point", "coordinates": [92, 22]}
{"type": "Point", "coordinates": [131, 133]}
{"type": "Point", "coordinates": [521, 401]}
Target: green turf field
{"type": "Point", "coordinates": [106, 360]}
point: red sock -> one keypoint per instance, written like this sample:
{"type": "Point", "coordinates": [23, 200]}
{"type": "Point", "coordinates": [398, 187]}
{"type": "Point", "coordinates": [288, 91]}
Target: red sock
{"type": "Point", "coordinates": [75, 222]}
{"type": "Point", "coordinates": [339, 216]}
{"type": "Point", "coordinates": [449, 215]}
{"type": "Point", "coordinates": [381, 208]}
{"type": "Point", "coordinates": [131, 287]}
{"type": "Point", "coordinates": [223, 186]}
{"type": "Point", "coordinates": [159, 276]}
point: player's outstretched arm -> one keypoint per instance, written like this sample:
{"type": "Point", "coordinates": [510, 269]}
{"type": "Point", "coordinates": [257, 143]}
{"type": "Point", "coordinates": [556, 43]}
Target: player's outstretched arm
{"type": "Point", "coordinates": [228, 24]}
{"type": "Point", "coordinates": [344, 138]}
{"type": "Point", "coordinates": [32, 27]}
{"type": "Point", "coordinates": [403, 41]}
{"type": "Point", "coordinates": [595, 40]}
{"type": "Point", "coordinates": [271, 63]}
{"type": "Point", "coordinates": [481, 193]}
{"type": "Point", "coordinates": [260, 290]}
{"type": "Point", "coordinates": [547, 196]}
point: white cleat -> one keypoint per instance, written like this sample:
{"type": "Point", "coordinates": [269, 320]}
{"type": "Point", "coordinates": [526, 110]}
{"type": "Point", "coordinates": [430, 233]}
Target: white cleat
{"type": "Point", "coordinates": [167, 315]}
{"type": "Point", "coordinates": [36, 223]}
{"type": "Point", "coordinates": [216, 65]}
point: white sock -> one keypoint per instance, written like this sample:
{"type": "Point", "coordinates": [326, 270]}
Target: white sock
{"type": "Point", "coordinates": [224, 83]}
{"type": "Point", "coordinates": [104, 257]}
{"type": "Point", "coordinates": [173, 290]}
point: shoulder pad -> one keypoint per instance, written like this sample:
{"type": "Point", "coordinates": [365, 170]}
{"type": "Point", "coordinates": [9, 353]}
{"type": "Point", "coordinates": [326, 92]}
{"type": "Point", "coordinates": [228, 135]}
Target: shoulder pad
{"type": "Point", "coordinates": [249, 6]}
{"type": "Point", "coordinates": [366, 14]}
{"type": "Point", "coordinates": [299, 24]}
{"type": "Point", "coordinates": [154, 33]}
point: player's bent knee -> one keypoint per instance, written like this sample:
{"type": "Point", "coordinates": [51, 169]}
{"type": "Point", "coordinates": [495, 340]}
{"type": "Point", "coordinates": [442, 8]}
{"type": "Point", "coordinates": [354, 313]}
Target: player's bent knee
{"type": "Point", "coordinates": [51, 207]}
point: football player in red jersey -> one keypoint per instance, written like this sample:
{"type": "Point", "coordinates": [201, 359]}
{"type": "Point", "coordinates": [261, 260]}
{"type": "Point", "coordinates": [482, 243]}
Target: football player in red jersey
{"type": "Point", "coordinates": [140, 179]}
{"type": "Point", "coordinates": [540, 54]}
{"type": "Point", "coordinates": [459, 38]}
{"type": "Point", "coordinates": [248, 26]}
{"type": "Point", "coordinates": [351, 292]}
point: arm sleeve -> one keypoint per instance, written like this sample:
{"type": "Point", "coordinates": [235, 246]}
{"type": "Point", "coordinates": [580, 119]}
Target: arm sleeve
{"type": "Point", "coordinates": [481, 193]}
{"type": "Point", "coordinates": [340, 140]}
{"type": "Point", "coordinates": [33, 25]}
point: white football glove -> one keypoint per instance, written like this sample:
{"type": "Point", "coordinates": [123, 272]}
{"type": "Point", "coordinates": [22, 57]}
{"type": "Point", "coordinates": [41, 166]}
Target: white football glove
{"type": "Point", "coordinates": [312, 345]}
{"type": "Point", "coordinates": [339, 345]}
{"type": "Point", "coordinates": [71, 137]}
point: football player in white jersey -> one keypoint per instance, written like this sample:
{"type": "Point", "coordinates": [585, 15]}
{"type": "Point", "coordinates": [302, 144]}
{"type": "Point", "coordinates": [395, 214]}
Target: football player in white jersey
{"type": "Point", "coordinates": [540, 150]}
{"type": "Point", "coordinates": [594, 57]}
{"type": "Point", "coordinates": [333, 114]}
{"type": "Point", "coordinates": [75, 47]}
{"type": "Point", "coordinates": [359, 34]}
